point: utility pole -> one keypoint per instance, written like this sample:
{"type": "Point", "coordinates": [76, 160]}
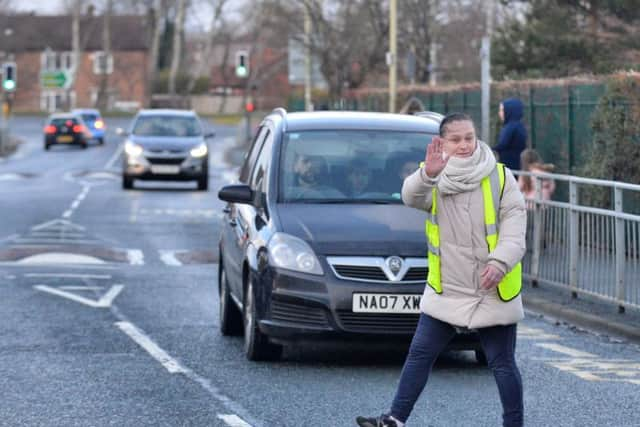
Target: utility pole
{"type": "Point", "coordinates": [485, 56]}
{"type": "Point", "coordinates": [392, 55]}
{"type": "Point", "coordinates": [75, 47]}
{"type": "Point", "coordinates": [308, 106]}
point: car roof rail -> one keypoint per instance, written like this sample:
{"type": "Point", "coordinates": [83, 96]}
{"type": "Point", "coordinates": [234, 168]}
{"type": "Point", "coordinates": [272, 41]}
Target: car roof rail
{"type": "Point", "coordinates": [430, 115]}
{"type": "Point", "coordinates": [282, 113]}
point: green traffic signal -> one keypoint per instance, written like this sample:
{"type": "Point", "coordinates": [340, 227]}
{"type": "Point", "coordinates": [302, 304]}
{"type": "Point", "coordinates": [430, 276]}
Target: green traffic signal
{"type": "Point", "coordinates": [241, 71]}
{"type": "Point", "coordinates": [8, 85]}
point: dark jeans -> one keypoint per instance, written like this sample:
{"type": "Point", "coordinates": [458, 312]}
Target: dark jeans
{"type": "Point", "coordinates": [431, 337]}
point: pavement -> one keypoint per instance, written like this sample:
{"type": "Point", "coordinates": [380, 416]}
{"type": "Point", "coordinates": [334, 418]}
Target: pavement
{"type": "Point", "coordinates": [583, 312]}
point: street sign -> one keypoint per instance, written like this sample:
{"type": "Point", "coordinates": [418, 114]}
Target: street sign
{"type": "Point", "coordinates": [55, 79]}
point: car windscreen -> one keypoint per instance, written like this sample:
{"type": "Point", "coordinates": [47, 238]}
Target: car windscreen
{"type": "Point", "coordinates": [89, 118]}
{"type": "Point", "coordinates": [167, 125]}
{"type": "Point", "coordinates": [348, 166]}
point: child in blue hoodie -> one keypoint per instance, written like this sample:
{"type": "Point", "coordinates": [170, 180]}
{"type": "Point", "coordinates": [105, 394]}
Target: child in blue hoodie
{"type": "Point", "coordinates": [513, 136]}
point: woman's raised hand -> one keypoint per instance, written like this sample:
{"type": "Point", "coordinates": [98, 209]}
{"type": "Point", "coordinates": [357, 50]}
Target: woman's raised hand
{"type": "Point", "coordinates": [435, 159]}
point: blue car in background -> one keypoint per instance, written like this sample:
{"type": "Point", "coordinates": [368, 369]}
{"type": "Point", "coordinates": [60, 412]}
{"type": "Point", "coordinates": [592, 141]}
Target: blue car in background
{"type": "Point", "coordinates": [94, 122]}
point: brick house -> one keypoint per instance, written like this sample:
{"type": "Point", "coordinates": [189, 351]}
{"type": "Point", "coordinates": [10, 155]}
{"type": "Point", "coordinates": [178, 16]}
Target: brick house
{"type": "Point", "coordinates": [42, 44]}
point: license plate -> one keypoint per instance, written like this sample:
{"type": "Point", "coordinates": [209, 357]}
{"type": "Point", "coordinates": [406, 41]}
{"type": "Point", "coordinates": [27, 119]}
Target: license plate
{"type": "Point", "coordinates": [64, 138]}
{"type": "Point", "coordinates": [165, 169]}
{"type": "Point", "coordinates": [386, 303]}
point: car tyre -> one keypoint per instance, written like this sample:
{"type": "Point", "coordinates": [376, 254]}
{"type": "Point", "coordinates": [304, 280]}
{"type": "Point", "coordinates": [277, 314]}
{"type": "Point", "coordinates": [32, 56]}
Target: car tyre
{"type": "Point", "coordinates": [127, 182]}
{"type": "Point", "coordinates": [101, 141]}
{"type": "Point", "coordinates": [230, 315]}
{"type": "Point", "coordinates": [46, 146]}
{"type": "Point", "coordinates": [203, 183]}
{"type": "Point", "coordinates": [481, 357]}
{"type": "Point", "coordinates": [256, 344]}
{"type": "Point", "coordinates": [84, 145]}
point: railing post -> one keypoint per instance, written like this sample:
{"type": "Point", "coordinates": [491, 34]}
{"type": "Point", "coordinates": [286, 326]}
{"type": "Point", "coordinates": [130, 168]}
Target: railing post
{"type": "Point", "coordinates": [620, 251]}
{"type": "Point", "coordinates": [537, 232]}
{"type": "Point", "coordinates": [574, 239]}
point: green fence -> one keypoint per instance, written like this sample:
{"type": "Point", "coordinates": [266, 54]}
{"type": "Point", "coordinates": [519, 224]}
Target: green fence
{"type": "Point", "coordinates": [558, 118]}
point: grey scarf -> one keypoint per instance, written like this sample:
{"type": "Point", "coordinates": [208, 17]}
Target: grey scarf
{"type": "Point", "coordinates": [465, 173]}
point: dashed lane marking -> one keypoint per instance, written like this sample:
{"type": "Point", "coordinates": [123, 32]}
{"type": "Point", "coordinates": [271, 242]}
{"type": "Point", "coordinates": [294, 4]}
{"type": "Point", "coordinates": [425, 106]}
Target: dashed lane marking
{"type": "Point", "coordinates": [169, 258]}
{"type": "Point", "coordinates": [233, 420]}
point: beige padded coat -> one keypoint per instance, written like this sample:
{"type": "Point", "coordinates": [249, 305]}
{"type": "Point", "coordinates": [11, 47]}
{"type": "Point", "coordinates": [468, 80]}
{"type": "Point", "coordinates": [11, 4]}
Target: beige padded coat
{"type": "Point", "coordinates": [464, 252]}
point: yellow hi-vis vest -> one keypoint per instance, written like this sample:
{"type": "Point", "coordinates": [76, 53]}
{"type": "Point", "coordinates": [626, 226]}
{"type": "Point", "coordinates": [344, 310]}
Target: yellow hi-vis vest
{"type": "Point", "coordinates": [492, 188]}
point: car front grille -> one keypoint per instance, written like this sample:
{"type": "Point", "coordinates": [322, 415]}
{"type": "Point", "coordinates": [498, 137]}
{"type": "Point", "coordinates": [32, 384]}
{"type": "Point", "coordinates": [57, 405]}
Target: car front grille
{"type": "Point", "coordinates": [165, 160]}
{"type": "Point", "coordinates": [378, 323]}
{"type": "Point", "coordinates": [378, 270]}
{"type": "Point", "coordinates": [361, 272]}
{"type": "Point", "coordinates": [298, 314]}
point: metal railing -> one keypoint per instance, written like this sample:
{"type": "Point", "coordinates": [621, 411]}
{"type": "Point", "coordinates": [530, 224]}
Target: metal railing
{"type": "Point", "coordinates": [588, 250]}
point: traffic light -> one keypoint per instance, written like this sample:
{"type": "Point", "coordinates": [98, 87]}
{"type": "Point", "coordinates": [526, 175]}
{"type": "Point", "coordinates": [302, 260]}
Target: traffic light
{"type": "Point", "coordinates": [249, 107]}
{"type": "Point", "coordinates": [9, 76]}
{"type": "Point", "coordinates": [242, 64]}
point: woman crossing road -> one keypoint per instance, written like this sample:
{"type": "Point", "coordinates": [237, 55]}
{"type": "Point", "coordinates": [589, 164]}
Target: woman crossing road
{"type": "Point", "coordinates": [476, 239]}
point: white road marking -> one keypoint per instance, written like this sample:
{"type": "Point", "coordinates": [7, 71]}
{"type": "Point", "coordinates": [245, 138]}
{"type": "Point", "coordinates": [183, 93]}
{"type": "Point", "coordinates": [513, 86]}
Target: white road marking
{"type": "Point", "coordinates": [104, 301]}
{"type": "Point", "coordinates": [233, 420]}
{"type": "Point", "coordinates": [525, 332]}
{"type": "Point", "coordinates": [71, 275]}
{"type": "Point", "coordinates": [566, 350]}
{"type": "Point", "coordinates": [65, 266]}
{"type": "Point", "coordinates": [56, 224]}
{"type": "Point", "coordinates": [67, 214]}
{"type": "Point", "coordinates": [76, 202]}
{"type": "Point", "coordinates": [170, 364]}
{"type": "Point", "coordinates": [81, 288]}
{"type": "Point", "coordinates": [114, 157]}
{"type": "Point", "coordinates": [135, 256]}
{"type": "Point", "coordinates": [169, 258]}
{"type": "Point", "coordinates": [173, 366]}
{"type": "Point", "coordinates": [60, 258]}
{"type": "Point", "coordinates": [46, 241]}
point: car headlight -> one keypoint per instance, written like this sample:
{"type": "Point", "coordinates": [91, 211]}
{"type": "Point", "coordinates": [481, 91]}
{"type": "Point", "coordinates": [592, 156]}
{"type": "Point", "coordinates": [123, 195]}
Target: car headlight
{"type": "Point", "coordinates": [199, 151]}
{"type": "Point", "coordinates": [133, 150]}
{"type": "Point", "coordinates": [292, 253]}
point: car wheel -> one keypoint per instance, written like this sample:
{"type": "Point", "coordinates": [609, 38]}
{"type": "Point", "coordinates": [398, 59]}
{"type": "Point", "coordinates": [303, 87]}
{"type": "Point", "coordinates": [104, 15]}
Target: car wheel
{"type": "Point", "coordinates": [256, 344]}
{"type": "Point", "coordinates": [481, 357]}
{"type": "Point", "coordinates": [84, 145]}
{"type": "Point", "coordinates": [127, 182]}
{"type": "Point", "coordinates": [203, 183]}
{"type": "Point", "coordinates": [101, 141]}
{"type": "Point", "coordinates": [46, 146]}
{"type": "Point", "coordinates": [230, 315]}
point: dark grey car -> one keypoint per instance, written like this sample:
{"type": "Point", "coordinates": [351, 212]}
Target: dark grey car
{"type": "Point", "coordinates": [166, 145]}
{"type": "Point", "coordinates": [316, 243]}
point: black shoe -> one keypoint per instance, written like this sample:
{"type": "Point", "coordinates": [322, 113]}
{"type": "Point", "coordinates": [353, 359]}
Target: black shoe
{"type": "Point", "coordinates": [381, 421]}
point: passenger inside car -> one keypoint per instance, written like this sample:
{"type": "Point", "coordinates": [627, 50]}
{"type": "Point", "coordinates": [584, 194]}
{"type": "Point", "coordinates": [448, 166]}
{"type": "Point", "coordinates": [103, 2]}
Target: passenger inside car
{"type": "Point", "coordinates": [358, 178]}
{"type": "Point", "coordinates": [310, 178]}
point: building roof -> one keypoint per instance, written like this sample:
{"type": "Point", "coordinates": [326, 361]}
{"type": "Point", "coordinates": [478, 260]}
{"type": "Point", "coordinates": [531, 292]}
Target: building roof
{"type": "Point", "coordinates": [37, 32]}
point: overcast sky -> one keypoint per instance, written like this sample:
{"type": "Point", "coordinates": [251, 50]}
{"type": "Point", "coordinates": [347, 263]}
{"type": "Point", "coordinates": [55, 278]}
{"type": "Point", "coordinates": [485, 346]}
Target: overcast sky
{"type": "Point", "coordinates": [39, 6]}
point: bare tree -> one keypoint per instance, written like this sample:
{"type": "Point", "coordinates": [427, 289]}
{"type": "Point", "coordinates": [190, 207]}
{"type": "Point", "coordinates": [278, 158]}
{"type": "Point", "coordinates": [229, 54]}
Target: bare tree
{"type": "Point", "coordinates": [177, 45]}
{"type": "Point", "coordinates": [155, 15]}
{"type": "Point", "coordinates": [203, 65]}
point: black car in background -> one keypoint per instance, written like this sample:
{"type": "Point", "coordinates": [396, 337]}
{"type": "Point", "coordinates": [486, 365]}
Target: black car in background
{"type": "Point", "coordinates": [65, 129]}
{"type": "Point", "coordinates": [315, 242]}
{"type": "Point", "coordinates": [166, 145]}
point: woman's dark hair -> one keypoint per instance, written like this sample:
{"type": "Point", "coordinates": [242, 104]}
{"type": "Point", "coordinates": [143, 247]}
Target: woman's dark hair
{"type": "Point", "coordinates": [454, 117]}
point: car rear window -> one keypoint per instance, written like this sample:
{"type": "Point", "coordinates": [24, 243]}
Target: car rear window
{"type": "Point", "coordinates": [167, 125]}
{"type": "Point", "coordinates": [63, 121]}
{"type": "Point", "coordinates": [348, 166]}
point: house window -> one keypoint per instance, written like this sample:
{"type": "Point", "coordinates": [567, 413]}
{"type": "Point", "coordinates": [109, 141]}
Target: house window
{"type": "Point", "coordinates": [102, 63]}
{"type": "Point", "coordinates": [56, 61]}
{"type": "Point", "coordinates": [52, 101]}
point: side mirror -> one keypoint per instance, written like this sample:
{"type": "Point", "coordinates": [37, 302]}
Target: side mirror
{"type": "Point", "coordinates": [236, 194]}
{"type": "Point", "coordinates": [121, 132]}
